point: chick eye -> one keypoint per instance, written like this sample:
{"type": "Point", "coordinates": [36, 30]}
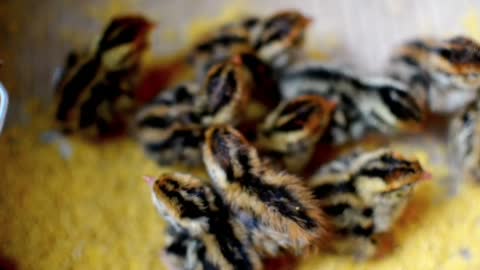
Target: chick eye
{"type": "Point", "coordinates": [250, 22]}
{"type": "Point", "coordinates": [368, 212]}
{"type": "Point", "coordinates": [445, 53]}
{"type": "Point", "coordinates": [458, 56]}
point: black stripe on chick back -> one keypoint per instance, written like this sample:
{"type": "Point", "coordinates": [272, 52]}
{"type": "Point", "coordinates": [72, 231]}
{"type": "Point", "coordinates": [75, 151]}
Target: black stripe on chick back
{"type": "Point", "coordinates": [221, 91]}
{"type": "Point", "coordinates": [413, 112]}
{"type": "Point", "coordinates": [178, 95]}
{"type": "Point", "coordinates": [88, 109]}
{"type": "Point", "coordinates": [189, 208]}
{"type": "Point", "coordinates": [201, 254]}
{"type": "Point", "coordinates": [180, 241]}
{"type": "Point", "coordinates": [155, 122]}
{"type": "Point", "coordinates": [277, 197]}
{"type": "Point", "coordinates": [122, 31]}
{"type": "Point", "coordinates": [231, 247]}
{"type": "Point", "coordinates": [383, 172]}
{"type": "Point", "coordinates": [300, 118]}
{"type": "Point", "coordinates": [325, 191]}
{"type": "Point", "coordinates": [407, 60]}
{"type": "Point", "coordinates": [225, 40]}
{"type": "Point", "coordinates": [72, 89]}
{"type": "Point", "coordinates": [323, 74]}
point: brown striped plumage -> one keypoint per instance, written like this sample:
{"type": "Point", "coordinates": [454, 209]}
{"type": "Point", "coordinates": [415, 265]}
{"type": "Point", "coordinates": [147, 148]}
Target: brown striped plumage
{"type": "Point", "coordinates": [265, 85]}
{"type": "Point", "coordinates": [217, 48]}
{"type": "Point", "coordinates": [292, 130]}
{"type": "Point", "coordinates": [276, 40]}
{"type": "Point", "coordinates": [363, 194]}
{"type": "Point", "coordinates": [226, 92]}
{"type": "Point", "coordinates": [201, 225]}
{"type": "Point", "coordinates": [363, 104]}
{"type": "Point", "coordinates": [171, 127]}
{"type": "Point", "coordinates": [279, 37]}
{"type": "Point", "coordinates": [444, 74]}
{"type": "Point", "coordinates": [277, 209]}
{"type": "Point", "coordinates": [95, 94]}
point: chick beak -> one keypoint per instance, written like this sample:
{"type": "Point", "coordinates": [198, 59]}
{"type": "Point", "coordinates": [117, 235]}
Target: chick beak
{"type": "Point", "coordinates": [151, 25]}
{"type": "Point", "coordinates": [237, 60]}
{"type": "Point", "coordinates": [307, 21]}
{"type": "Point", "coordinates": [426, 176]}
{"type": "Point", "coordinates": [149, 179]}
{"type": "Point", "coordinates": [331, 105]}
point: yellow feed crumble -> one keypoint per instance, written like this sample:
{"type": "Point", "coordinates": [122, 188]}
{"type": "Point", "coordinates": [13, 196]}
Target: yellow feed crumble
{"type": "Point", "coordinates": [94, 212]}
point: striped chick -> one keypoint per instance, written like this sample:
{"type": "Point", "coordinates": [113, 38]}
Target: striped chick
{"type": "Point", "coordinates": [226, 93]}
{"type": "Point", "coordinates": [95, 93]}
{"type": "Point", "coordinates": [363, 194]}
{"type": "Point", "coordinates": [363, 104]}
{"type": "Point", "coordinates": [292, 130]}
{"type": "Point", "coordinates": [443, 73]}
{"type": "Point", "coordinates": [169, 129]}
{"type": "Point", "coordinates": [277, 209]}
{"type": "Point", "coordinates": [202, 228]}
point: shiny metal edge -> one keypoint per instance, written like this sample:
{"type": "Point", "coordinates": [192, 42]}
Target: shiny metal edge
{"type": "Point", "coordinates": [3, 105]}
